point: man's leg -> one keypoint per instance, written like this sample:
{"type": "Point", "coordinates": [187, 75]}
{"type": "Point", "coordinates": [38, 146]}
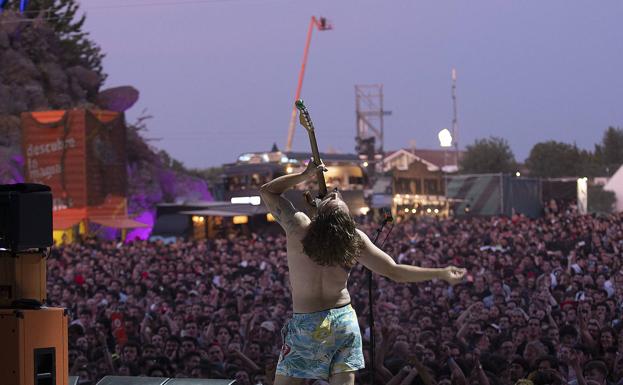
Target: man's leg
{"type": "Point", "coordinates": [285, 380]}
{"type": "Point", "coordinates": [344, 378]}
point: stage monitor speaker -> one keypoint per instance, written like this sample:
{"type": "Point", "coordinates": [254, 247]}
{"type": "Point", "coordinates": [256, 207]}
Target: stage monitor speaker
{"type": "Point", "coordinates": [120, 380]}
{"type": "Point", "coordinates": [198, 381]}
{"type": "Point", "coordinates": [123, 380]}
{"type": "Point", "coordinates": [25, 216]}
{"type": "Point", "coordinates": [73, 380]}
{"type": "Point", "coordinates": [34, 347]}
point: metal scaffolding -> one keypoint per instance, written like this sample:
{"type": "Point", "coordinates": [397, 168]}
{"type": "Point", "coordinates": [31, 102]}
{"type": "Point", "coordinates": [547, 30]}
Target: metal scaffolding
{"type": "Point", "coordinates": [370, 124]}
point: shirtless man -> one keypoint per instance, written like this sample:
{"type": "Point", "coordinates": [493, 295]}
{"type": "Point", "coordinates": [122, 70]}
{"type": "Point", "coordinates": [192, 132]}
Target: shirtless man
{"type": "Point", "coordinates": [322, 340]}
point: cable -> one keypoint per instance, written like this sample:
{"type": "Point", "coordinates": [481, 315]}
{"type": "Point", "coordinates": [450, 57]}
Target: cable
{"type": "Point", "coordinates": [167, 3]}
{"type": "Point", "coordinates": [121, 6]}
{"type": "Point", "coordinates": [386, 236]}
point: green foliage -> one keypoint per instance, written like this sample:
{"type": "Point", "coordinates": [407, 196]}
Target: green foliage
{"type": "Point", "coordinates": [600, 200]}
{"type": "Point", "coordinates": [210, 174]}
{"type": "Point", "coordinates": [490, 155]}
{"type": "Point", "coordinates": [610, 152]}
{"type": "Point", "coordinates": [589, 165]}
{"type": "Point", "coordinates": [62, 16]}
{"type": "Point", "coordinates": [553, 159]}
{"type": "Point", "coordinates": [169, 162]}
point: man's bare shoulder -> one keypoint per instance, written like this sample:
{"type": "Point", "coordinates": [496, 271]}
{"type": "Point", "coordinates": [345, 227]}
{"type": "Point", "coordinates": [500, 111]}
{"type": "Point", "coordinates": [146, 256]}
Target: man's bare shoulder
{"type": "Point", "coordinates": [361, 233]}
{"type": "Point", "coordinates": [364, 237]}
{"type": "Point", "coordinates": [297, 224]}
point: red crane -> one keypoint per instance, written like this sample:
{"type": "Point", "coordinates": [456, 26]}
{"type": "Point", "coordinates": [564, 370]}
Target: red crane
{"type": "Point", "coordinates": [322, 24]}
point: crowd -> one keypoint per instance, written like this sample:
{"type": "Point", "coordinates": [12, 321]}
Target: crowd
{"type": "Point", "coordinates": [541, 304]}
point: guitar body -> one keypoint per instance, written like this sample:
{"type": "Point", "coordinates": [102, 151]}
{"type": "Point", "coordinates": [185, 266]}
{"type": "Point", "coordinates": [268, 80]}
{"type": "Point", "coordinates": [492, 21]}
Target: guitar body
{"type": "Point", "coordinates": [306, 122]}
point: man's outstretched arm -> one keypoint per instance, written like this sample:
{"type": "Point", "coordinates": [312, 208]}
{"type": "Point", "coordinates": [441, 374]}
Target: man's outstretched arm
{"type": "Point", "coordinates": [378, 261]}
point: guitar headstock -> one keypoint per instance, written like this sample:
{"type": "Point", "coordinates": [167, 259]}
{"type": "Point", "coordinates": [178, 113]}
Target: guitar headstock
{"type": "Point", "coordinates": [304, 118]}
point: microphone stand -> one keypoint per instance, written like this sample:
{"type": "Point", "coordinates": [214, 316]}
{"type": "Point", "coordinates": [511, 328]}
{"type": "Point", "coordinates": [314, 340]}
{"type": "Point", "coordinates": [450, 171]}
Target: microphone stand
{"type": "Point", "coordinates": [371, 303]}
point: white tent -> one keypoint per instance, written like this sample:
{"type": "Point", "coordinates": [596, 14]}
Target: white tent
{"type": "Point", "coordinates": [615, 184]}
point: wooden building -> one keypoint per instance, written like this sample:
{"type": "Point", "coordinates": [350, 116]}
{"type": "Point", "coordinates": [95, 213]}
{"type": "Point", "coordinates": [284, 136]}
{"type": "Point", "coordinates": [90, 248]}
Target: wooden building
{"type": "Point", "coordinates": [417, 180]}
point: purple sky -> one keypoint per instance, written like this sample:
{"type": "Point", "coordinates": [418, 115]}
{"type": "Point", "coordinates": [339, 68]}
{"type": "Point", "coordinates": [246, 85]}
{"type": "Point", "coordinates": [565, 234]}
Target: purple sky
{"type": "Point", "coordinates": [219, 76]}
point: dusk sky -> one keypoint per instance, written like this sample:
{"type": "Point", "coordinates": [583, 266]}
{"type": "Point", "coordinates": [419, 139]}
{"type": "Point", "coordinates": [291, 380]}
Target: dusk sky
{"type": "Point", "coordinates": [219, 76]}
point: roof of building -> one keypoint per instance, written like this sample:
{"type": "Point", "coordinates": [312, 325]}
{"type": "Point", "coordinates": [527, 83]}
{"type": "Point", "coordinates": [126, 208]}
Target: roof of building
{"type": "Point", "coordinates": [439, 158]}
{"type": "Point", "coordinates": [325, 156]}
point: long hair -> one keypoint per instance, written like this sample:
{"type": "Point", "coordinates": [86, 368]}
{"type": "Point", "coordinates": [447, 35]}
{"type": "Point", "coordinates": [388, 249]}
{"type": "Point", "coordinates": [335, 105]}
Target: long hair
{"type": "Point", "coordinates": [332, 239]}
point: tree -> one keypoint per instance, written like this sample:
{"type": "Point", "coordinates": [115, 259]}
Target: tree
{"type": "Point", "coordinates": [62, 16]}
{"type": "Point", "coordinates": [589, 165]}
{"type": "Point", "coordinates": [490, 155]}
{"type": "Point", "coordinates": [600, 200]}
{"type": "Point", "coordinates": [555, 159]}
{"type": "Point", "coordinates": [610, 152]}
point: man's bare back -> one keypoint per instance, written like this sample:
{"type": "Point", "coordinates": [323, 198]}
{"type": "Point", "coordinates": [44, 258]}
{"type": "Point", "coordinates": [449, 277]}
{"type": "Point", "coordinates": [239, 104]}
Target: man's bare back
{"type": "Point", "coordinates": [314, 287]}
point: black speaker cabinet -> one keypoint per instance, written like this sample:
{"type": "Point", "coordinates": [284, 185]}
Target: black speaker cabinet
{"type": "Point", "coordinates": [25, 216]}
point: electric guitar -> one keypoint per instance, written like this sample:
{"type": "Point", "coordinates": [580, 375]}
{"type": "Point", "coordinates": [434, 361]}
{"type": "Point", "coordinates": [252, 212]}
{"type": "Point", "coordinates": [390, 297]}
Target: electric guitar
{"type": "Point", "coordinates": [306, 122]}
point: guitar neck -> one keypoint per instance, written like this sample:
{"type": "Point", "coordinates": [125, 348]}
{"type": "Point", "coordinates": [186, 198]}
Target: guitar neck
{"type": "Point", "coordinates": [322, 186]}
{"type": "Point", "coordinates": [309, 126]}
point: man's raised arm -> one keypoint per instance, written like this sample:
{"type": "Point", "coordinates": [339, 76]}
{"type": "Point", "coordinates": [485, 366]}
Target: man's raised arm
{"type": "Point", "coordinates": [378, 261]}
{"type": "Point", "coordinates": [281, 208]}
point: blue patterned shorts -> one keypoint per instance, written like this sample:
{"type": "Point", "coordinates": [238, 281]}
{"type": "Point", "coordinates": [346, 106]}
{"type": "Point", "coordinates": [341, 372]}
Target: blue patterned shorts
{"type": "Point", "coordinates": [320, 344]}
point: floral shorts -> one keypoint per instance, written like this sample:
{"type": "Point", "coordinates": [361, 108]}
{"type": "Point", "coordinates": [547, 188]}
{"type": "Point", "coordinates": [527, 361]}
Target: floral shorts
{"type": "Point", "coordinates": [320, 344]}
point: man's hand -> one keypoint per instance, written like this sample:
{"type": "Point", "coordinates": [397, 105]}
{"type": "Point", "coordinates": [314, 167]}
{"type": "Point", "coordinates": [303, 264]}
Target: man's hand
{"type": "Point", "coordinates": [453, 274]}
{"type": "Point", "coordinates": [312, 169]}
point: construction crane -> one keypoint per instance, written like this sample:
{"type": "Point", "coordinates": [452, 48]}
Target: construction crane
{"type": "Point", "coordinates": [322, 24]}
{"type": "Point", "coordinates": [455, 120]}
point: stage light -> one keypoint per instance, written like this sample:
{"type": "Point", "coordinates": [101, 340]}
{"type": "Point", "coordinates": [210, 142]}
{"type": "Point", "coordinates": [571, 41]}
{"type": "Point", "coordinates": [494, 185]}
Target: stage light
{"type": "Point", "coordinates": [289, 169]}
{"type": "Point", "coordinates": [240, 219]}
{"type": "Point", "coordinates": [428, 210]}
{"type": "Point", "coordinates": [364, 210]}
{"type": "Point", "coordinates": [413, 211]}
{"type": "Point", "coordinates": [406, 210]}
{"type": "Point", "coordinates": [445, 138]}
{"type": "Point", "coordinates": [270, 217]}
{"type": "Point", "coordinates": [436, 211]}
{"type": "Point", "coordinates": [254, 200]}
{"type": "Point", "coordinates": [365, 164]}
{"type": "Point", "coordinates": [517, 174]}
